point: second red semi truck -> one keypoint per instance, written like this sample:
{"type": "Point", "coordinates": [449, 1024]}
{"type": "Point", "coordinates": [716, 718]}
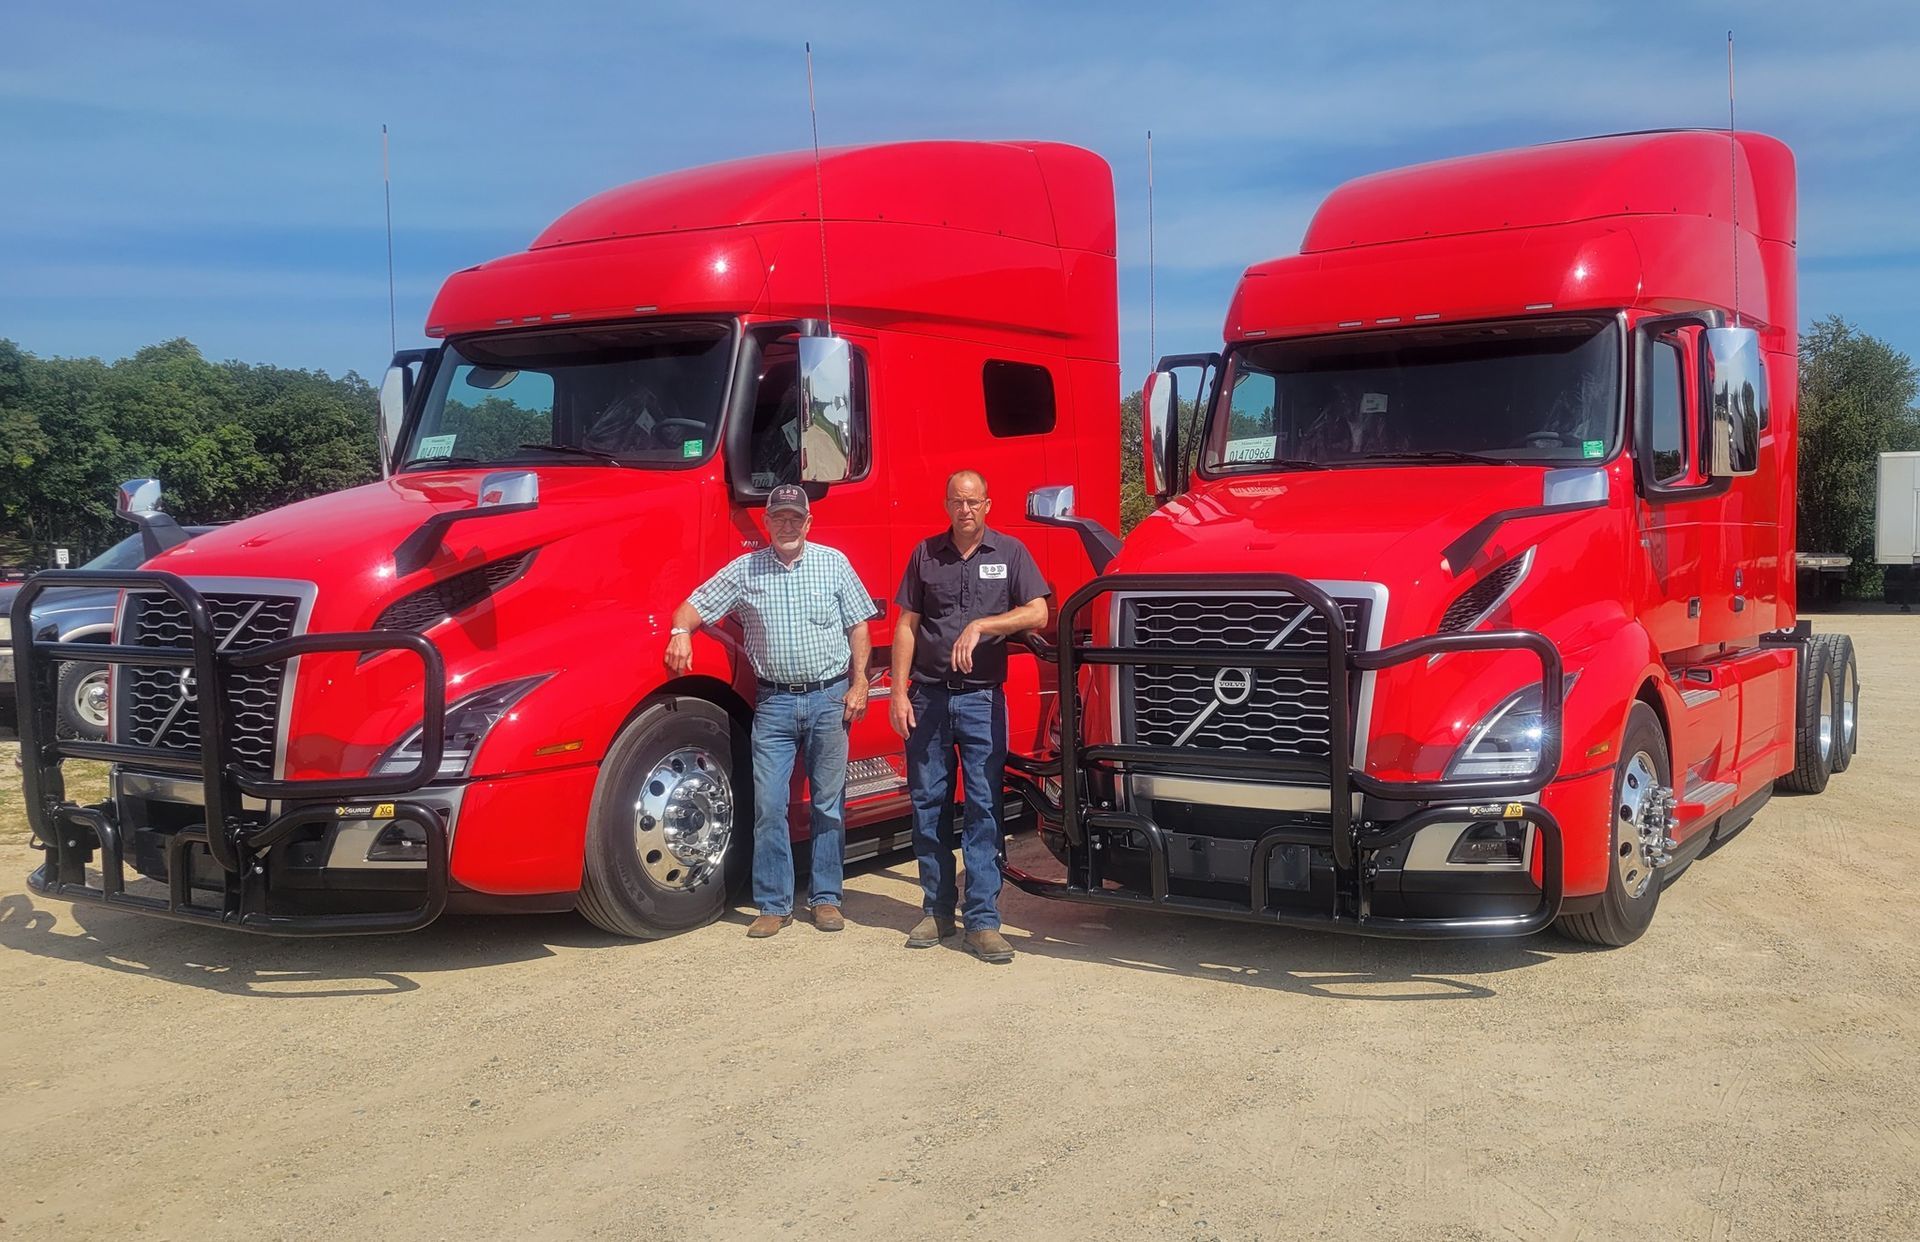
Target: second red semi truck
{"type": "Point", "coordinates": [1470, 606]}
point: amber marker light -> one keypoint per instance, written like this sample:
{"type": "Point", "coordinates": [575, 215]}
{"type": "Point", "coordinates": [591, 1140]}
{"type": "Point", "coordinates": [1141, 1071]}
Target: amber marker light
{"type": "Point", "coordinates": [560, 748]}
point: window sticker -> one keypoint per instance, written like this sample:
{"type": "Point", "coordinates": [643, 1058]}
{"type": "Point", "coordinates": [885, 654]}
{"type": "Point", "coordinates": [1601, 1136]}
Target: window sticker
{"type": "Point", "coordinates": [1373, 403]}
{"type": "Point", "coordinates": [692, 448]}
{"type": "Point", "coordinates": [1251, 448]}
{"type": "Point", "coordinates": [437, 446]}
{"type": "Point", "coordinates": [1593, 448]}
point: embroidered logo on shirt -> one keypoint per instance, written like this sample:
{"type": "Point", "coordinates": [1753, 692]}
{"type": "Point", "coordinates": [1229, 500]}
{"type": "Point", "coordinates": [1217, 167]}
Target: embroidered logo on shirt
{"type": "Point", "coordinates": [993, 571]}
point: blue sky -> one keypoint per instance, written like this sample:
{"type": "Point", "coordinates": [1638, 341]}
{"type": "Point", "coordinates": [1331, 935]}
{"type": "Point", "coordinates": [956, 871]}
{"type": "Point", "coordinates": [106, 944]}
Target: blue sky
{"type": "Point", "coordinates": [213, 171]}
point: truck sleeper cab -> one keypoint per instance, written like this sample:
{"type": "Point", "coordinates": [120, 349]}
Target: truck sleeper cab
{"type": "Point", "coordinates": [447, 687]}
{"type": "Point", "coordinates": [1470, 607]}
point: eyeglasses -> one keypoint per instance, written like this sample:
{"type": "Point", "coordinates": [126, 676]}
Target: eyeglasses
{"type": "Point", "coordinates": [958, 503]}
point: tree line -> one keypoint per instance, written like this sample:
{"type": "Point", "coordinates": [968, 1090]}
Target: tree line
{"type": "Point", "coordinates": [230, 439]}
{"type": "Point", "coordinates": [226, 439]}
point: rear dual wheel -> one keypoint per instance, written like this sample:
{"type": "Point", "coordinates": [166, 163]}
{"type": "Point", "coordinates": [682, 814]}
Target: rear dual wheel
{"type": "Point", "coordinates": [1826, 723]}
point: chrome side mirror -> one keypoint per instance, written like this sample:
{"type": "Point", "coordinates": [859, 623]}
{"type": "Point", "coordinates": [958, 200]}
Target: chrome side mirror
{"type": "Point", "coordinates": [1737, 403]}
{"type": "Point", "coordinates": [137, 498]}
{"type": "Point", "coordinates": [1049, 504]}
{"type": "Point", "coordinates": [1159, 402]}
{"type": "Point", "coordinates": [830, 447]}
{"type": "Point", "coordinates": [519, 489]}
{"type": "Point", "coordinates": [394, 391]}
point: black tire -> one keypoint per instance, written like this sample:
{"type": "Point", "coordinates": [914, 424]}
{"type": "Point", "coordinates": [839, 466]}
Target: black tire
{"type": "Point", "coordinates": [1623, 914]}
{"type": "Point", "coordinates": [1813, 708]}
{"type": "Point", "coordinates": [633, 884]}
{"type": "Point", "coordinates": [76, 719]}
{"type": "Point", "coordinates": [1846, 701]}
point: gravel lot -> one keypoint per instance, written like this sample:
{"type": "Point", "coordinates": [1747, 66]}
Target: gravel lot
{"type": "Point", "coordinates": [1747, 1070]}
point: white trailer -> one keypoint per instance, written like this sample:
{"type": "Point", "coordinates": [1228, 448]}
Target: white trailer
{"type": "Point", "coordinates": [1897, 515]}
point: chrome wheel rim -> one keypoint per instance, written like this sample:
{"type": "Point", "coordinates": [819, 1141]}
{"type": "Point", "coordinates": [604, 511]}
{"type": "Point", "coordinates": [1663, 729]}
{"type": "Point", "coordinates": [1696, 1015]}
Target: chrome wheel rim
{"type": "Point", "coordinates": [683, 818]}
{"type": "Point", "coordinates": [1640, 824]}
{"type": "Point", "coordinates": [90, 699]}
{"type": "Point", "coordinates": [1826, 720]}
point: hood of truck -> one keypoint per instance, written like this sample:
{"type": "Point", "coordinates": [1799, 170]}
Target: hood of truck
{"type": "Point", "coordinates": [1348, 525]}
{"type": "Point", "coordinates": [344, 542]}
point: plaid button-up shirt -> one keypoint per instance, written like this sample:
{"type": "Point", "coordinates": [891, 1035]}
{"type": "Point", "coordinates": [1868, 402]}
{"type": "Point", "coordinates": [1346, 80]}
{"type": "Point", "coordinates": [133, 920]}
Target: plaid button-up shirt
{"type": "Point", "coordinates": [795, 617]}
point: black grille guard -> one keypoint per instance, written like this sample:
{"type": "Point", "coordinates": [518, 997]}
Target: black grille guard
{"type": "Point", "coordinates": [1084, 824]}
{"type": "Point", "coordinates": [70, 832]}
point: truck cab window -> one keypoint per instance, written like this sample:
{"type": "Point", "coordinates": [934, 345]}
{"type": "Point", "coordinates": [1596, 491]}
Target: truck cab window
{"type": "Point", "coordinates": [774, 448]}
{"type": "Point", "coordinates": [1545, 391]}
{"type": "Point", "coordinates": [645, 394]}
{"type": "Point", "coordinates": [1019, 398]}
{"type": "Point", "coordinates": [1667, 413]}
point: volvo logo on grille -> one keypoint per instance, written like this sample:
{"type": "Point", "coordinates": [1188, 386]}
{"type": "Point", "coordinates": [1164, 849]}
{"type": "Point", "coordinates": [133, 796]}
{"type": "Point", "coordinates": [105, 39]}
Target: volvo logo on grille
{"type": "Point", "coordinates": [186, 689]}
{"type": "Point", "coordinates": [1233, 686]}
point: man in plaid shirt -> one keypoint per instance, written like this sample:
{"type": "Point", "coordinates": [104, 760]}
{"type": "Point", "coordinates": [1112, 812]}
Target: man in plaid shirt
{"type": "Point", "coordinates": [805, 615]}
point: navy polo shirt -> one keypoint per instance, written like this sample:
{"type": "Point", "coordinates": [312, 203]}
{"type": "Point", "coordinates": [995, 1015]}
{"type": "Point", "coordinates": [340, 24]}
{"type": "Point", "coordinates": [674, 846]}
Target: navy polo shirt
{"type": "Point", "coordinates": [949, 590]}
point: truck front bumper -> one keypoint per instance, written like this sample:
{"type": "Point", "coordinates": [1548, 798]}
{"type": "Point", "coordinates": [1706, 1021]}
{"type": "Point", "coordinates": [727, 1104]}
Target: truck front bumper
{"type": "Point", "coordinates": [238, 848]}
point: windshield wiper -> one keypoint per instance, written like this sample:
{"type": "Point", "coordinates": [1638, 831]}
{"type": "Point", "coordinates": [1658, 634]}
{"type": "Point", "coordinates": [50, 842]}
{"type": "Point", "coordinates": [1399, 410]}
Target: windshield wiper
{"type": "Point", "coordinates": [451, 459]}
{"type": "Point", "coordinates": [576, 450]}
{"type": "Point", "coordinates": [1440, 455]}
{"type": "Point", "coordinates": [1274, 463]}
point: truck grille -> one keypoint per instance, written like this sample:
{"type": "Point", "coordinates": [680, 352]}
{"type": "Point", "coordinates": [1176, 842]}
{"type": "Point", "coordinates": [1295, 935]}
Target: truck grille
{"type": "Point", "coordinates": [159, 707]}
{"type": "Point", "coordinates": [1284, 711]}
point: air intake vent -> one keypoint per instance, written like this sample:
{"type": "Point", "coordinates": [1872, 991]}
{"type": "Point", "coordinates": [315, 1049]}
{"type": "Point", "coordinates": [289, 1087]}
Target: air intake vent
{"type": "Point", "coordinates": [1479, 599]}
{"type": "Point", "coordinates": [449, 597]}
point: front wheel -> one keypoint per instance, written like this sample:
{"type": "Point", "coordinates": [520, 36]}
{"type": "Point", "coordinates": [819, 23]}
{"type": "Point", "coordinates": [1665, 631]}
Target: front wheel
{"type": "Point", "coordinates": [1642, 805]}
{"type": "Point", "coordinates": [1846, 701]}
{"type": "Point", "coordinates": [83, 702]}
{"type": "Point", "coordinates": [671, 829]}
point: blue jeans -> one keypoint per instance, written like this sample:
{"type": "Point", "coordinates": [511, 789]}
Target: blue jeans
{"type": "Point", "coordinates": [784, 725]}
{"type": "Point", "coordinates": [973, 722]}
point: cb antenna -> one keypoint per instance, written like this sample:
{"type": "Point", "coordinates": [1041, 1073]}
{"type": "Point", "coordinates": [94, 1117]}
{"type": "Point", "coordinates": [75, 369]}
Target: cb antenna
{"type": "Point", "coordinates": [386, 181]}
{"type": "Point", "coordinates": [819, 191]}
{"type": "Point", "coordinates": [1733, 181]}
{"type": "Point", "coordinates": [1153, 345]}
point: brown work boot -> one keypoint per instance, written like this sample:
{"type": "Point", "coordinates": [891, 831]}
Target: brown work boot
{"type": "Point", "coordinates": [828, 918]}
{"type": "Point", "coordinates": [989, 946]}
{"type": "Point", "coordinates": [929, 932]}
{"type": "Point", "coordinates": [768, 925]}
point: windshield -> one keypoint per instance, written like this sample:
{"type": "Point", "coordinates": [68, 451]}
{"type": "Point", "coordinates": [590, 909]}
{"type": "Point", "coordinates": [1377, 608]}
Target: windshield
{"type": "Point", "coordinates": [637, 395]}
{"type": "Point", "coordinates": [1545, 391]}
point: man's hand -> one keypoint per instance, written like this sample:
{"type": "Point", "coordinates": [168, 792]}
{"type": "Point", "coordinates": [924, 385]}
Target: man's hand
{"type": "Point", "coordinates": [900, 713]}
{"type": "Point", "coordinates": [679, 654]}
{"type": "Point", "coordinates": [963, 646]}
{"type": "Point", "coordinates": [856, 701]}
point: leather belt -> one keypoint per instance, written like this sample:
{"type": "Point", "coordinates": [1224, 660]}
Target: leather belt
{"type": "Point", "coordinates": [798, 687]}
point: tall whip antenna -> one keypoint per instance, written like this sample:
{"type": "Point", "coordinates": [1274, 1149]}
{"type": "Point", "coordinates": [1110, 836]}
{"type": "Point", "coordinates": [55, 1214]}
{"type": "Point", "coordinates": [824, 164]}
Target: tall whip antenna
{"type": "Point", "coordinates": [819, 191]}
{"type": "Point", "coordinates": [386, 181]}
{"type": "Point", "coordinates": [1733, 181]}
{"type": "Point", "coordinates": [1153, 344]}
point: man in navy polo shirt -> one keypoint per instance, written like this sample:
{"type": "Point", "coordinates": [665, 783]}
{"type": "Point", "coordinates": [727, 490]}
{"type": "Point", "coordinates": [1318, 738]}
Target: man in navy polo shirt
{"type": "Point", "coordinates": [964, 593]}
{"type": "Point", "coordinates": [804, 615]}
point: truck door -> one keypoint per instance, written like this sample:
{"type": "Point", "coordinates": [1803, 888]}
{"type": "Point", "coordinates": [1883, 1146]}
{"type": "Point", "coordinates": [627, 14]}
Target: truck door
{"type": "Point", "coordinates": [1674, 518]}
{"type": "Point", "coordinates": [850, 516]}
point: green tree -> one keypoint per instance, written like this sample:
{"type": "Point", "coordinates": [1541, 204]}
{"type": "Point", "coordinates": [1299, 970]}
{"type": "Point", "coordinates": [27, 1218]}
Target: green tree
{"type": "Point", "coordinates": [1856, 401]}
{"type": "Point", "coordinates": [1134, 501]}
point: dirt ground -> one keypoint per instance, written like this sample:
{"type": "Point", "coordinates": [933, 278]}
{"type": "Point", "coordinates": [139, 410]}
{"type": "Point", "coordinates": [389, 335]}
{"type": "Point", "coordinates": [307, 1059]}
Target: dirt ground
{"type": "Point", "coordinates": [1747, 1070]}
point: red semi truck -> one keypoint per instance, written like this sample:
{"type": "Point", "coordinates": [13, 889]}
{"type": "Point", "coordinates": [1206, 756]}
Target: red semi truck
{"type": "Point", "coordinates": [1470, 606]}
{"type": "Point", "coordinates": [446, 688]}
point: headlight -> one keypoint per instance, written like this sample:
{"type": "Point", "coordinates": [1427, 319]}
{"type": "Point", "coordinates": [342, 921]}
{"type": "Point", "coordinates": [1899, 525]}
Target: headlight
{"type": "Point", "coordinates": [468, 721]}
{"type": "Point", "coordinates": [1506, 742]}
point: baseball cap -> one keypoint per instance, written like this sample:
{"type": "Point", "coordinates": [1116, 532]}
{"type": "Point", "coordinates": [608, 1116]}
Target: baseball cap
{"type": "Point", "coordinates": [789, 496]}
